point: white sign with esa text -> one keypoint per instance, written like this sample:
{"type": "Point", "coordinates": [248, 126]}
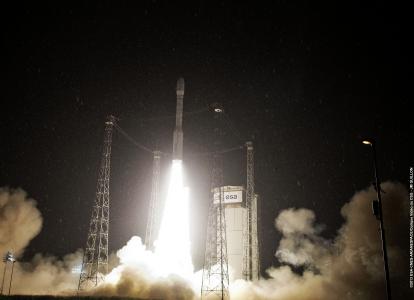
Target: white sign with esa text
{"type": "Point", "coordinates": [229, 197]}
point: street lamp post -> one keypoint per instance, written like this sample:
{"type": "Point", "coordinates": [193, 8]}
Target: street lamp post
{"type": "Point", "coordinates": [9, 257]}
{"type": "Point", "coordinates": [377, 206]}
{"type": "Point", "coordinates": [11, 276]}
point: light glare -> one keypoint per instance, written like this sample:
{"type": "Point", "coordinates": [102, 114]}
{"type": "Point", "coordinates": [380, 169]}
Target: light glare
{"type": "Point", "coordinates": [173, 244]}
{"type": "Point", "coordinates": [172, 253]}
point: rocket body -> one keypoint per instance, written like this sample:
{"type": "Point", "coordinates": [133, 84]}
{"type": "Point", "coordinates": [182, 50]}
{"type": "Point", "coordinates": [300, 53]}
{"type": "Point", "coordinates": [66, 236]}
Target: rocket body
{"type": "Point", "coordinates": [178, 131]}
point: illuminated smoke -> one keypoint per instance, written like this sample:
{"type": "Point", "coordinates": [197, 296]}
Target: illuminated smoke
{"type": "Point", "coordinates": [301, 245]}
{"type": "Point", "coordinates": [47, 275]}
{"type": "Point", "coordinates": [142, 274]}
{"type": "Point", "coordinates": [20, 220]}
{"type": "Point", "coordinates": [348, 267]}
{"type": "Point", "coordinates": [172, 248]}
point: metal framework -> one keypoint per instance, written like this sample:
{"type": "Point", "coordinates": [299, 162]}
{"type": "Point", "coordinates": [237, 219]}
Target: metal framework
{"type": "Point", "coordinates": [215, 281]}
{"type": "Point", "coordinates": [251, 264]}
{"type": "Point", "coordinates": [153, 211]}
{"type": "Point", "coordinates": [95, 258]}
{"type": "Point", "coordinates": [255, 240]}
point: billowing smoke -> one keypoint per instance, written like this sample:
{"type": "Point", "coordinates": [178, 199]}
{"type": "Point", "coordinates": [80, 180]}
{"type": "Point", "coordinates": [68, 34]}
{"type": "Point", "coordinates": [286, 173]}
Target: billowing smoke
{"type": "Point", "coordinates": [20, 220]}
{"type": "Point", "coordinates": [348, 267]}
{"type": "Point", "coordinates": [301, 245]}
{"type": "Point", "coordinates": [136, 271]}
{"type": "Point", "coordinates": [141, 275]}
{"type": "Point", "coordinates": [46, 275]}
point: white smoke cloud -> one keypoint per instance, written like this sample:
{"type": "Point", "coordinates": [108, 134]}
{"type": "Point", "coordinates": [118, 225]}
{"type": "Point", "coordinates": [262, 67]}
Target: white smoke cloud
{"type": "Point", "coordinates": [300, 244]}
{"type": "Point", "coordinates": [47, 275]}
{"type": "Point", "coordinates": [20, 220]}
{"type": "Point", "coordinates": [347, 267]}
{"type": "Point", "coordinates": [140, 274]}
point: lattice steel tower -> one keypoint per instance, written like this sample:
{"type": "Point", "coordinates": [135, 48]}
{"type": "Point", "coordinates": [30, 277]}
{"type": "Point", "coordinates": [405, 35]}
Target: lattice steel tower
{"type": "Point", "coordinates": [95, 258]}
{"type": "Point", "coordinates": [215, 280]}
{"type": "Point", "coordinates": [251, 264]}
{"type": "Point", "coordinates": [153, 211]}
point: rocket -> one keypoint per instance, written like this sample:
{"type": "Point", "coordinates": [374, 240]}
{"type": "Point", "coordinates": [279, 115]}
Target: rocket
{"type": "Point", "coordinates": [178, 131]}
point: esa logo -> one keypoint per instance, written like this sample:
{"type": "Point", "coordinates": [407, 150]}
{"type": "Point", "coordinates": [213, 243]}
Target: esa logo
{"type": "Point", "coordinates": [231, 197]}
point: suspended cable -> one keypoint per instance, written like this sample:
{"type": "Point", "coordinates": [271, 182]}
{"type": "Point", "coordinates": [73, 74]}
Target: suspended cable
{"type": "Point", "coordinates": [185, 114]}
{"type": "Point", "coordinates": [144, 148]}
{"type": "Point", "coordinates": [218, 151]}
{"type": "Point", "coordinates": [128, 137]}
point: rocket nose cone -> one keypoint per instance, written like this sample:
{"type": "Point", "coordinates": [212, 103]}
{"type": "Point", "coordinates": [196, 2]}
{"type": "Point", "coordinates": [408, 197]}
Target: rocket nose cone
{"type": "Point", "coordinates": [180, 85]}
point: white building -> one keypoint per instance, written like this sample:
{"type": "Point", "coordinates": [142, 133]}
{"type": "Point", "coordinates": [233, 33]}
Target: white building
{"type": "Point", "coordinates": [241, 236]}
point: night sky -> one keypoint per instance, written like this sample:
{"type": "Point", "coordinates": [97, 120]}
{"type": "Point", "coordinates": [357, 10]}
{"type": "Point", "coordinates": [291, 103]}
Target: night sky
{"type": "Point", "coordinates": [304, 81]}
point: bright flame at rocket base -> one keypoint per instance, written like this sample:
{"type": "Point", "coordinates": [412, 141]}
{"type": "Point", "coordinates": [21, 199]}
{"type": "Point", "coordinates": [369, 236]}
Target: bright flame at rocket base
{"type": "Point", "coordinates": [173, 244]}
{"type": "Point", "coordinates": [172, 255]}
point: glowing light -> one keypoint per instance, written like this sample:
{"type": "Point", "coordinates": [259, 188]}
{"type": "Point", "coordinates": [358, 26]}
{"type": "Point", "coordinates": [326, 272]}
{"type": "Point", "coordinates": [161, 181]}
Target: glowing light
{"type": "Point", "coordinates": [77, 269]}
{"type": "Point", "coordinates": [114, 276]}
{"type": "Point", "coordinates": [366, 142]}
{"type": "Point", "coordinates": [172, 253]}
{"type": "Point", "coordinates": [173, 244]}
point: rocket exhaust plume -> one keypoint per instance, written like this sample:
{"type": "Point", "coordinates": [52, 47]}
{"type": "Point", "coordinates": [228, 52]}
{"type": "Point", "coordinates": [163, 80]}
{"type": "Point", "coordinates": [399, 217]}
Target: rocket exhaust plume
{"type": "Point", "coordinates": [173, 244]}
{"type": "Point", "coordinates": [178, 132]}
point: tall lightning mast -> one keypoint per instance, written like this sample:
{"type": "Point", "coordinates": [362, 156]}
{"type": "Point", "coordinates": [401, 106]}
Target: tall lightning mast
{"type": "Point", "coordinates": [249, 235]}
{"type": "Point", "coordinates": [252, 213]}
{"type": "Point", "coordinates": [215, 280]}
{"type": "Point", "coordinates": [95, 258]}
{"type": "Point", "coordinates": [153, 216]}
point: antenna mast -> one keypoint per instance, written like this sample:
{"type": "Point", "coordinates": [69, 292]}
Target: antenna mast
{"type": "Point", "coordinates": [215, 280]}
{"type": "Point", "coordinates": [153, 217]}
{"type": "Point", "coordinates": [95, 258]}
